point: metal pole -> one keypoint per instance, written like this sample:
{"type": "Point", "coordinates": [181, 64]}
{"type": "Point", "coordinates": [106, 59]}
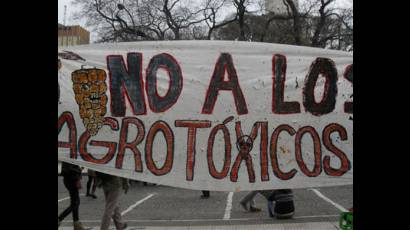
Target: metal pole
{"type": "Point", "coordinates": [65, 11]}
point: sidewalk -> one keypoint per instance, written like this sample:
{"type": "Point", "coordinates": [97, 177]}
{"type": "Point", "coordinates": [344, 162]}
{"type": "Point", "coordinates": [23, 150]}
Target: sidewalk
{"type": "Point", "coordinates": [287, 226]}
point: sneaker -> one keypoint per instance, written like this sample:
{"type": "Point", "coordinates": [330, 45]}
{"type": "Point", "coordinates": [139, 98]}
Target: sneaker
{"type": "Point", "coordinates": [254, 209]}
{"type": "Point", "coordinates": [244, 206]}
{"type": "Point", "coordinates": [78, 226]}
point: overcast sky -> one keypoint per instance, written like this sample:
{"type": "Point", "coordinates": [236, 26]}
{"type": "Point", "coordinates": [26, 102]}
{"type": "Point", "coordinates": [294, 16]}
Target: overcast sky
{"type": "Point", "coordinates": [69, 18]}
{"type": "Point", "coordinates": [71, 9]}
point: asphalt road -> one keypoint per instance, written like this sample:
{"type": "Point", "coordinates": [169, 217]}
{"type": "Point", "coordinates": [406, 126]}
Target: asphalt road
{"type": "Point", "coordinates": [164, 206]}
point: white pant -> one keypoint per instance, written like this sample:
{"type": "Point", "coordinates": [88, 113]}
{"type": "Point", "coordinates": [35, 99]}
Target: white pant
{"type": "Point", "coordinates": [249, 198]}
{"type": "Point", "coordinates": [111, 209]}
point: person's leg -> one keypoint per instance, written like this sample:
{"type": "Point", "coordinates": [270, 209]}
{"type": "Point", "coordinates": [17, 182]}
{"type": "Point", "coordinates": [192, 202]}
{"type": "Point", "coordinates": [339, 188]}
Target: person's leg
{"type": "Point", "coordinates": [205, 194]}
{"type": "Point", "coordinates": [94, 186]}
{"type": "Point", "coordinates": [248, 199]}
{"type": "Point", "coordinates": [270, 208]}
{"type": "Point", "coordinates": [65, 213]}
{"type": "Point", "coordinates": [90, 180]}
{"type": "Point", "coordinates": [252, 207]}
{"type": "Point", "coordinates": [68, 210]}
{"type": "Point", "coordinates": [74, 205]}
{"type": "Point", "coordinates": [111, 198]}
{"type": "Point", "coordinates": [116, 216]}
{"type": "Point", "coordinates": [119, 224]}
{"type": "Point", "coordinates": [75, 202]}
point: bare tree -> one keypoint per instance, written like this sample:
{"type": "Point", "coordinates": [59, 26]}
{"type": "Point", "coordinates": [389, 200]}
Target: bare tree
{"type": "Point", "coordinates": [113, 20]}
{"type": "Point", "coordinates": [179, 16]}
{"type": "Point", "coordinates": [147, 19]}
{"type": "Point", "coordinates": [331, 27]}
{"type": "Point", "coordinates": [150, 19]}
{"type": "Point", "coordinates": [294, 13]}
{"type": "Point", "coordinates": [324, 14]}
{"type": "Point", "coordinates": [315, 23]}
{"type": "Point", "coordinates": [211, 11]}
{"type": "Point", "coordinates": [240, 14]}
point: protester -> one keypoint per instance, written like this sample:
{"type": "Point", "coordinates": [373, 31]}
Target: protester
{"type": "Point", "coordinates": [249, 199]}
{"type": "Point", "coordinates": [91, 181]}
{"type": "Point", "coordinates": [284, 206]}
{"type": "Point", "coordinates": [112, 189]}
{"type": "Point", "coordinates": [205, 194]}
{"type": "Point", "coordinates": [72, 181]}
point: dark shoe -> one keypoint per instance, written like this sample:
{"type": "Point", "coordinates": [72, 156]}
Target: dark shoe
{"type": "Point", "coordinates": [244, 206]}
{"type": "Point", "coordinates": [93, 196]}
{"type": "Point", "coordinates": [254, 209]}
{"type": "Point", "coordinates": [124, 226]}
{"type": "Point", "coordinates": [88, 194]}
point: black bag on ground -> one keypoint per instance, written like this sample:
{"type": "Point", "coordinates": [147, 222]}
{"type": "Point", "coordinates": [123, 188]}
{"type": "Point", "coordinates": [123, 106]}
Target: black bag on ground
{"type": "Point", "coordinates": [284, 205]}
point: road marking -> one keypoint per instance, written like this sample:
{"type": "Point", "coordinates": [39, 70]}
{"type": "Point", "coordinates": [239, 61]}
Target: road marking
{"type": "Point", "coordinates": [66, 198]}
{"type": "Point", "coordinates": [318, 216]}
{"type": "Point", "coordinates": [338, 206]}
{"type": "Point", "coordinates": [209, 220]}
{"type": "Point", "coordinates": [228, 208]}
{"type": "Point", "coordinates": [136, 204]}
{"type": "Point", "coordinates": [308, 225]}
{"type": "Point", "coordinates": [63, 199]}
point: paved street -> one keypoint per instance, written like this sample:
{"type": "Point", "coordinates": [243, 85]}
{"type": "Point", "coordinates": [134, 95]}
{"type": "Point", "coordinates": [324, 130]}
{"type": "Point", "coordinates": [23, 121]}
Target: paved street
{"type": "Point", "coordinates": [157, 207]}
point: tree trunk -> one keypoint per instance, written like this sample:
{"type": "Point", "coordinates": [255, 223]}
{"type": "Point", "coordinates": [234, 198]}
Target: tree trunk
{"type": "Point", "coordinates": [296, 21]}
{"type": "Point", "coordinates": [241, 22]}
{"type": "Point", "coordinates": [177, 36]}
{"type": "Point", "coordinates": [210, 33]}
{"type": "Point", "coordinates": [296, 29]}
{"type": "Point", "coordinates": [322, 20]}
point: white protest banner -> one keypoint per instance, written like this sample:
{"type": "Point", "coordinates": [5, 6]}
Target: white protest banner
{"type": "Point", "coordinates": [209, 115]}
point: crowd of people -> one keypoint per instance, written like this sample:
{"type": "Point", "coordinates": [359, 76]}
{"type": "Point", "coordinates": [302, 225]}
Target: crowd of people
{"type": "Point", "coordinates": [279, 202]}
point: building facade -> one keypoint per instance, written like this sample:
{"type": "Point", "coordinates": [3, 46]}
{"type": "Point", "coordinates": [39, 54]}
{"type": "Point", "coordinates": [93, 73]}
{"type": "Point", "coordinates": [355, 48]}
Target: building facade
{"type": "Point", "coordinates": [72, 35]}
{"type": "Point", "coordinates": [277, 6]}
